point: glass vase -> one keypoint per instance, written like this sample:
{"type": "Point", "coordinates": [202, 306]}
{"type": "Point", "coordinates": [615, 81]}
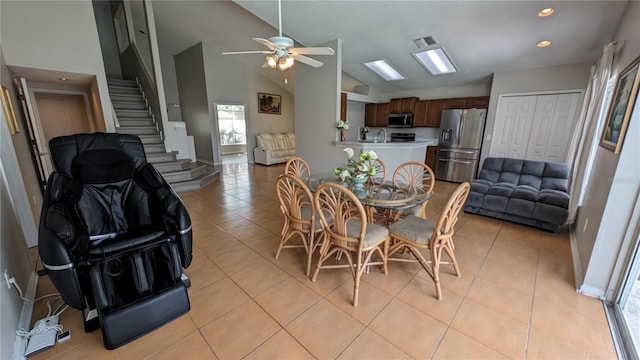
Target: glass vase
{"type": "Point", "coordinates": [343, 135]}
{"type": "Point", "coordinates": [358, 183]}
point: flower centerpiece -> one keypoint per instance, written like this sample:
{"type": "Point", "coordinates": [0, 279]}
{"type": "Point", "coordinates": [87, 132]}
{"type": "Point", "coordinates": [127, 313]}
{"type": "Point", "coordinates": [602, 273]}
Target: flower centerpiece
{"type": "Point", "coordinates": [363, 132]}
{"type": "Point", "coordinates": [357, 169]}
{"type": "Point", "coordinates": [343, 126]}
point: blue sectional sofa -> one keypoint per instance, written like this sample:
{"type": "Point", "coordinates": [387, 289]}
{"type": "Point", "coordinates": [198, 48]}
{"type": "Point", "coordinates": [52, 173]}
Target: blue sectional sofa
{"type": "Point", "coordinates": [533, 193]}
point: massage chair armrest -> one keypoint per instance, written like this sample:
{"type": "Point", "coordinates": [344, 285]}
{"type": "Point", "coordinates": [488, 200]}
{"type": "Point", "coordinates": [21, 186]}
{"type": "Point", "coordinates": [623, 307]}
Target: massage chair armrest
{"type": "Point", "coordinates": [57, 239]}
{"type": "Point", "coordinates": [174, 214]}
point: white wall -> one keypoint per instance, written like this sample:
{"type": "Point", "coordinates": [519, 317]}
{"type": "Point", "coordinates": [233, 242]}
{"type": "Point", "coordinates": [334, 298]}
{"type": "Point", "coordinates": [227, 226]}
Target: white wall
{"type": "Point", "coordinates": [317, 97]}
{"type": "Point", "coordinates": [55, 35]}
{"type": "Point", "coordinates": [13, 251]}
{"type": "Point", "coordinates": [613, 185]}
{"type": "Point", "coordinates": [193, 101]}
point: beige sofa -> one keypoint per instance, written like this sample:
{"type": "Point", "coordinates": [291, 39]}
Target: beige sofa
{"type": "Point", "coordinates": [274, 148]}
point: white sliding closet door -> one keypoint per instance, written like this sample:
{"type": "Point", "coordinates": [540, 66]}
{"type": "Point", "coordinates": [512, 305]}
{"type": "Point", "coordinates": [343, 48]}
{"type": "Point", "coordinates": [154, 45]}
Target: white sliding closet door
{"type": "Point", "coordinates": [512, 127]}
{"type": "Point", "coordinates": [535, 127]}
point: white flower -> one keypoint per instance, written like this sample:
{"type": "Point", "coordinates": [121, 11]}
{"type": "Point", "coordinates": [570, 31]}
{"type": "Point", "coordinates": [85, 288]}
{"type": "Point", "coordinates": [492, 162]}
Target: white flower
{"type": "Point", "coordinates": [342, 124]}
{"type": "Point", "coordinates": [345, 174]}
{"type": "Point", "coordinates": [349, 152]}
{"type": "Point", "coordinates": [372, 155]}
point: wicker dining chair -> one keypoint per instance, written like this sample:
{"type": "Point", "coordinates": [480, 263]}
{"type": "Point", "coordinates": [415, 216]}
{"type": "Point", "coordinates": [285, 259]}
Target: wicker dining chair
{"type": "Point", "coordinates": [414, 234]}
{"type": "Point", "coordinates": [414, 177]}
{"type": "Point", "coordinates": [300, 217]}
{"type": "Point", "coordinates": [298, 167]}
{"type": "Point", "coordinates": [381, 172]}
{"type": "Point", "coordinates": [350, 235]}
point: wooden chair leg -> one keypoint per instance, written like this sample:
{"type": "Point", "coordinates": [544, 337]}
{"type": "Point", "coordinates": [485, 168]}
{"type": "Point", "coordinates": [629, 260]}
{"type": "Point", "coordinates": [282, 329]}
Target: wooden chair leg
{"type": "Point", "coordinates": [454, 262]}
{"type": "Point", "coordinates": [435, 267]}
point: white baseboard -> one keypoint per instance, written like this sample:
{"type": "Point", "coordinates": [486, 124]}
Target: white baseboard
{"type": "Point", "coordinates": [25, 317]}
{"type": "Point", "coordinates": [575, 256]}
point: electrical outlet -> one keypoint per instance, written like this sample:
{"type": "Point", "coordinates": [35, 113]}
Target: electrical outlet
{"type": "Point", "coordinates": [7, 278]}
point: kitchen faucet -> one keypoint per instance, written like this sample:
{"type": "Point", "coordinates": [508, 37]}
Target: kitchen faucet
{"type": "Point", "coordinates": [384, 135]}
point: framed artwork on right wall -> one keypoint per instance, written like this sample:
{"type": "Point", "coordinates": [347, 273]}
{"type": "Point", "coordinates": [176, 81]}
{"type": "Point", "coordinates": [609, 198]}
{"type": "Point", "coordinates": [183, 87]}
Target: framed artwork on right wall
{"type": "Point", "coordinates": [624, 97]}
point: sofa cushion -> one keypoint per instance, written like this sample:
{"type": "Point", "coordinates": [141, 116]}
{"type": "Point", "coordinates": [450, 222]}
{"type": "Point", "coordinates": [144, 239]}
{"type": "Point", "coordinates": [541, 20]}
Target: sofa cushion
{"type": "Point", "coordinates": [501, 189]}
{"type": "Point", "coordinates": [554, 197]}
{"type": "Point", "coordinates": [525, 192]}
{"type": "Point", "coordinates": [520, 207]}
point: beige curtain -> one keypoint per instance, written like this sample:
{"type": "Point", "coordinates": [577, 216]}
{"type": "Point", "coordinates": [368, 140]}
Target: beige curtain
{"type": "Point", "coordinates": [589, 124]}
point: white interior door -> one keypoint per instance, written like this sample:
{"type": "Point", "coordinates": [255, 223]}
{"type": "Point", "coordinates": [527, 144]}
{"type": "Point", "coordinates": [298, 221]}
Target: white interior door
{"type": "Point", "coordinates": [541, 127]}
{"type": "Point", "coordinates": [563, 126]}
{"type": "Point", "coordinates": [512, 126]}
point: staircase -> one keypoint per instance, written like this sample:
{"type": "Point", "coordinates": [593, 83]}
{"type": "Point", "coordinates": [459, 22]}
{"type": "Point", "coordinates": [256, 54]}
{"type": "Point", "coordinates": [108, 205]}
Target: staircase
{"type": "Point", "coordinates": [134, 116]}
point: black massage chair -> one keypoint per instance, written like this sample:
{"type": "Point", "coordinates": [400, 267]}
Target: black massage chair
{"type": "Point", "coordinates": [114, 238]}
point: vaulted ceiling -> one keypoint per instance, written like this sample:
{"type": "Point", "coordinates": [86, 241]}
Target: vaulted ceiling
{"type": "Point", "coordinates": [482, 37]}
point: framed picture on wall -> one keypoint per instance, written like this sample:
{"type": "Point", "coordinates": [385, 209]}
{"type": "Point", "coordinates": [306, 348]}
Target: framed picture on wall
{"type": "Point", "coordinates": [9, 113]}
{"type": "Point", "coordinates": [624, 97]}
{"type": "Point", "coordinates": [269, 103]}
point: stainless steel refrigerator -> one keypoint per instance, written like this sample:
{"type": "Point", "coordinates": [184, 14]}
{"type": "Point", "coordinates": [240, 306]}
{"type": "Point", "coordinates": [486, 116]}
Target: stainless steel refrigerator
{"type": "Point", "coordinates": [461, 133]}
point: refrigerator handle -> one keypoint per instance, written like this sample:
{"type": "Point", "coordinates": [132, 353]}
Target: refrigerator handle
{"type": "Point", "coordinates": [461, 129]}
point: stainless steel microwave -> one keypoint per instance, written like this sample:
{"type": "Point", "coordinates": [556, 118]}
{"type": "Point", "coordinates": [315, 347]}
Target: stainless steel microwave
{"type": "Point", "coordinates": [400, 120]}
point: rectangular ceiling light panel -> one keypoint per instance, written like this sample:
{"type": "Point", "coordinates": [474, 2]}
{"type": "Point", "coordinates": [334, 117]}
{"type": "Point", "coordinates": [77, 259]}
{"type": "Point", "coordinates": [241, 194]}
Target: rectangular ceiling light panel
{"type": "Point", "coordinates": [384, 70]}
{"type": "Point", "coordinates": [436, 61]}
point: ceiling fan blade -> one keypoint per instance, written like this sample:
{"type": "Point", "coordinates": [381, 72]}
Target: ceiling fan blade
{"type": "Point", "coordinates": [307, 60]}
{"type": "Point", "coordinates": [247, 52]}
{"type": "Point", "coordinates": [266, 43]}
{"type": "Point", "coordinates": [312, 51]}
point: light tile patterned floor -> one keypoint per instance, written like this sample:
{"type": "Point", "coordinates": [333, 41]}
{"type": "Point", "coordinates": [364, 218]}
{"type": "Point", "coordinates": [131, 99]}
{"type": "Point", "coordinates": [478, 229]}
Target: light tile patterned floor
{"type": "Point", "coordinates": [515, 299]}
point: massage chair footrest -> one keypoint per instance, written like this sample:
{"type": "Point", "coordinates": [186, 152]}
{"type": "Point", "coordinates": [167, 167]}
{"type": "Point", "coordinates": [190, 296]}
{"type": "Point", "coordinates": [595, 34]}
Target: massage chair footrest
{"type": "Point", "coordinates": [142, 317]}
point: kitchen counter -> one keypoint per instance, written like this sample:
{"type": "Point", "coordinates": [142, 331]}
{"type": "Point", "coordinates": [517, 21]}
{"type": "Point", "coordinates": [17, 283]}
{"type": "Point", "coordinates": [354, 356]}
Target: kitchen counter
{"type": "Point", "coordinates": [370, 144]}
{"type": "Point", "coordinates": [392, 154]}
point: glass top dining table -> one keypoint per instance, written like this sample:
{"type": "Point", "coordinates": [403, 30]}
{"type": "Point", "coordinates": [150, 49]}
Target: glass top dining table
{"type": "Point", "coordinates": [384, 195]}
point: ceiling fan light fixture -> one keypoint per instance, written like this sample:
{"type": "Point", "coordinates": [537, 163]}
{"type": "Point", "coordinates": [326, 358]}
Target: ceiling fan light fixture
{"type": "Point", "coordinates": [384, 69]}
{"type": "Point", "coordinates": [435, 61]}
{"type": "Point", "coordinates": [272, 60]}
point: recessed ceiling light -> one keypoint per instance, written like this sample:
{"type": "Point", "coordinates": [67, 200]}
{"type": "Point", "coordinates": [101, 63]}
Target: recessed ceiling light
{"type": "Point", "coordinates": [63, 79]}
{"type": "Point", "coordinates": [436, 61]}
{"type": "Point", "coordinates": [544, 43]}
{"type": "Point", "coordinates": [384, 70]}
{"type": "Point", "coordinates": [546, 12]}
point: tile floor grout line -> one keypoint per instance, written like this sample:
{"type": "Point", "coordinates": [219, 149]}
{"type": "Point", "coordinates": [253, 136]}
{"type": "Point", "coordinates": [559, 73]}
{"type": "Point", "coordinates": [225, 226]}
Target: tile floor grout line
{"type": "Point", "coordinates": [533, 299]}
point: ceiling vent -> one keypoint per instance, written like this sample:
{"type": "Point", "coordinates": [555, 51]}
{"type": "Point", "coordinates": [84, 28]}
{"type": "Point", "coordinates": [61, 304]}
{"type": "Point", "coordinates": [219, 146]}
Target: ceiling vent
{"type": "Point", "coordinates": [425, 41]}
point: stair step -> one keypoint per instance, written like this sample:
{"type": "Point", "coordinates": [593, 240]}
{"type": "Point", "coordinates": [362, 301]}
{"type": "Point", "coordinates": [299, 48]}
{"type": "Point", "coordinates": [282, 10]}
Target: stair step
{"type": "Point", "coordinates": [130, 105]}
{"type": "Point", "coordinates": [122, 90]}
{"type": "Point", "coordinates": [122, 82]}
{"type": "Point", "coordinates": [126, 98]}
{"type": "Point", "coordinates": [194, 172]}
{"type": "Point", "coordinates": [154, 148]}
{"type": "Point", "coordinates": [151, 139]}
{"type": "Point", "coordinates": [137, 130]}
{"type": "Point", "coordinates": [161, 157]}
{"type": "Point", "coordinates": [196, 184]}
{"type": "Point", "coordinates": [171, 166]}
{"type": "Point", "coordinates": [135, 122]}
{"type": "Point", "coordinates": [133, 113]}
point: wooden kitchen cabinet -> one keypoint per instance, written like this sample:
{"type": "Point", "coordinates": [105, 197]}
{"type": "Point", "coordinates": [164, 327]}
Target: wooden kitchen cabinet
{"type": "Point", "coordinates": [480, 102]}
{"type": "Point", "coordinates": [435, 112]}
{"type": "Point", "coordinates": [421, 113]}
{"type": "Point", "coordinates": [376, 115]}
{"type": "Point", "coordinates": [430, 158]}
{"type": "Point", "coordinates": [402, 105]}
{"type": "Point", "coordinates": [343, 106]}
{"type": "Point", "coordinates": [457, 103]}
{"type": "Point", "coordinates": [382, 115]}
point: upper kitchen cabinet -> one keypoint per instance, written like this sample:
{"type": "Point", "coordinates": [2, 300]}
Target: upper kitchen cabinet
{"type": "Point", "coordinates": [457, 103]}
{"type": "Point", "coordinates": [421, 113]}
{"type": "Point", "coordinates": [435, 112]}
{"type": "Point", "coordinates": [480, 102]}
{"type": "Point", "coordinates": [376, 115]}
{"type": "Point", "coordinates": [402, 105]}
{"type": "Point", "coordinates": [343, 106]}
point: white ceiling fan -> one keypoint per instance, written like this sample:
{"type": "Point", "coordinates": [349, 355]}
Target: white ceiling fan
{"type": "Point", "coordinates": [281, 54]}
